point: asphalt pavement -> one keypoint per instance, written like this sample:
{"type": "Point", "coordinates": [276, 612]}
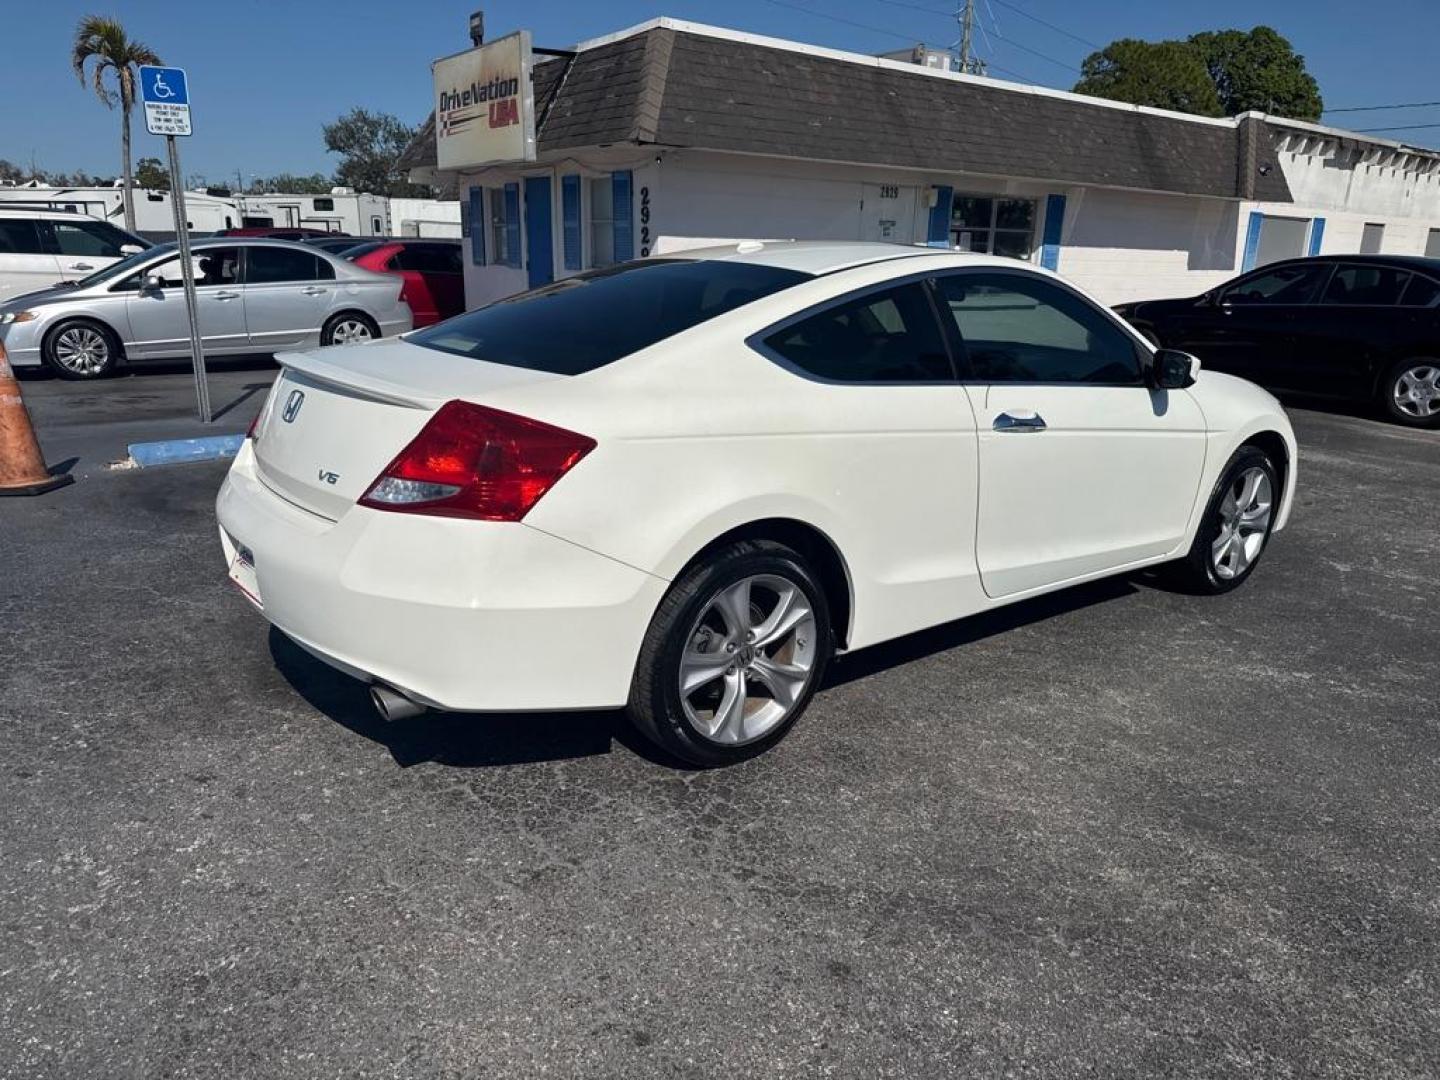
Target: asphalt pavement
{"type": "Point", "coordinates": [1112, 832]}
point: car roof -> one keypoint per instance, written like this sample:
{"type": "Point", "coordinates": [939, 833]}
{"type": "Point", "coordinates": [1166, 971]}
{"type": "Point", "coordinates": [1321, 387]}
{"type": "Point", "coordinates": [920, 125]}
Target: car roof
{"type": "Point", "coordinates": [1406, 262]}
{"type": "Point", "coordinates": [826, 256]}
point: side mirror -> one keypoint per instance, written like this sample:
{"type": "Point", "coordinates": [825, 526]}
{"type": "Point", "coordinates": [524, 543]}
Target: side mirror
{"type": "Point", "coordinates": [1171, 369]}
{"type": "Point", "coordinates": [152, 283]}
{"type": "Point", "coordinates": [130, 249]}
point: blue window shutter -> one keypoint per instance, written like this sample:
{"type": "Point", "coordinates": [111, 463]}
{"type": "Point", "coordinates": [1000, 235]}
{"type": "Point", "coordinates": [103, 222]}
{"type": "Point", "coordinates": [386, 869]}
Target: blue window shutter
{"type": "Point", "coordinates": [1317, 233]}
{"type": "Point", "coordinates": [1054, 223]}
{"type": "Point", "coordinates": [512, 225]}
{"type": "Point", "coordinates": [475, 225]}
{"type": "Point", "coordinates": [939, 233]}
{"type": "Point", "coordinates": [620, 183]}
{"type": "Point", "coordinates": [570, 219]}
{"type": "Point", "coordinates": [1252, 240]}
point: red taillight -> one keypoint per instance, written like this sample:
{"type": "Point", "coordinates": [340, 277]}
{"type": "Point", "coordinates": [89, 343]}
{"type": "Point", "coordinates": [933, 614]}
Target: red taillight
{"type": "Point", "coordinates": [255, 423]}
{"type": "Point", "coordinates": [473, 462]}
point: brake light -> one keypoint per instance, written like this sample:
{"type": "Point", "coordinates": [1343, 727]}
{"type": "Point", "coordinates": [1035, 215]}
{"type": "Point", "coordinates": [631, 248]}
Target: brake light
{"type": "Point", "coordinates": [473, 462]}
{"type": "Point", "coordinates": [254, 423]}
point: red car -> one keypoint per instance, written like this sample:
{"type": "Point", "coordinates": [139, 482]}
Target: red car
{"type": "Point", "coordinates": [434, 274]}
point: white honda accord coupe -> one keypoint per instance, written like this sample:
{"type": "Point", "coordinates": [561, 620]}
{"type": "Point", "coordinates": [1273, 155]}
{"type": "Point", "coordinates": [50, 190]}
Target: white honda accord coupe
{"type": "Point", "coordinates": [681, 485]}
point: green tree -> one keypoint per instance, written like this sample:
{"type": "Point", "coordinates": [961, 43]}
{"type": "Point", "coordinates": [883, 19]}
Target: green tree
{"type": "Point", "coordinates": [370, 145]}
{"type": "Point", "coordinates": [290, 184]}
{"type": "Point", "coordinates": [1258, 69]}
{"type": "Point", "coordinates": [1163, 74]}
{"type": "Point", "coordinates": [105, 42]}
{"type": "Point", "coordinates": [149, 173]}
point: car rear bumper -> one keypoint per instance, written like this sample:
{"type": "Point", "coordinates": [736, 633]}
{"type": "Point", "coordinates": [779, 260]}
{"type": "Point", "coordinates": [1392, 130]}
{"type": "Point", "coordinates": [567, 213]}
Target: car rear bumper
{"type": "Point", "coordinates": [459, 615]}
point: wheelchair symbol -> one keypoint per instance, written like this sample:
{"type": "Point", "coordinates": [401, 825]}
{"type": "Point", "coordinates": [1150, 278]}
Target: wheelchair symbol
{"type": "Point", "coordinates": [159, 88]}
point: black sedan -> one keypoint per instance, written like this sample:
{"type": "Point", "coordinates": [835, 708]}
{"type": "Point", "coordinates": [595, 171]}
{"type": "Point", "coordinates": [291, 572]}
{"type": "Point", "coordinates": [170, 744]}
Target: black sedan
{"type": "Point", "coordinates": [1364, 327]}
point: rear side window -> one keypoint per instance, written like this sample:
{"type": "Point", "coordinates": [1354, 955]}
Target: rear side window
{"type": "Point", "coordinates": [1022, 328]}
{"type": "Point", "coordinates": [593, 319]}
{"type": "Point", "coordinates": [428, 259]}
{"type": "Point", "coordinates": [270, 265]}
{"type": "Point", "coordinates": [19, 237]}
{"type": "Point", "coordinates": [881, 337]}
{"type": "Point", "coordinates": [1421, 292]}
{"type": "Point", "coordinates": [1367, 285]}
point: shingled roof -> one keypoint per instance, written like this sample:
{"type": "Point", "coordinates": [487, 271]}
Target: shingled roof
{"type": "Point", "coordinates": [673, 87]}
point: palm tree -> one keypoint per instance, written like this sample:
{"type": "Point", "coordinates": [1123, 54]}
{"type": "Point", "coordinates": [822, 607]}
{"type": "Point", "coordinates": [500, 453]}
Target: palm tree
{"type": "Point", "coordinates": [105, 41]}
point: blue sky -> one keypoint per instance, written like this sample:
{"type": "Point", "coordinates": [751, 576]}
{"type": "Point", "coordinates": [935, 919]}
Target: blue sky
{"type": "Point", "coordinates": [266, 75]}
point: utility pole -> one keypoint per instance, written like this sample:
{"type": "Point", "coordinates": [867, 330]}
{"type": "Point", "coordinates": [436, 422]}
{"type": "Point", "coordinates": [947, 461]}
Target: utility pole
{"type": "Point", "coordinates": [965, 16]}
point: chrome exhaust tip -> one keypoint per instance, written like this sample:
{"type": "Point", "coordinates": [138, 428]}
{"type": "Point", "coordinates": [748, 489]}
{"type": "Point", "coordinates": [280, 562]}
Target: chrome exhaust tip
{"type": "Point", "coordinates": [393, 705]}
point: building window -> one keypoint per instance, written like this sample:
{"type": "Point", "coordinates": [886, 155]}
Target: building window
{"type": "Point", "coordinates": [1281, 238]}
{"type": "Point", "coordinates": [1372, 238]}
{"type": "Point", "coordinates": [1432, 244]}
{"type": "Point", "coordinates": [377, 226]}
{"type": "Point", "coordinates": [991, 225]}
{"type": "Point", "coordinates": [602, 222]}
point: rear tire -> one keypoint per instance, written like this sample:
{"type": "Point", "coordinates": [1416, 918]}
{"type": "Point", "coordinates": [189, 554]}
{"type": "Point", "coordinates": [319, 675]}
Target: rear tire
{"type": "Point", "coordinates": [81, 349]}
{"type": "Point", "coordinates": [733, 655]}
{"type": "Point", "coordinates": [348, 328]}
{"type": "Point", "coordinates": [1236, 527]}
{"type": "Point", "coordinates": [1410, 392]}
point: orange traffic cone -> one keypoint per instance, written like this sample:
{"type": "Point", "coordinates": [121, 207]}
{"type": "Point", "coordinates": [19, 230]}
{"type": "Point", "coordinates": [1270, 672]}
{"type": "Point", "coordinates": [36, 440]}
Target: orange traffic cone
{"type": "Point", "coordinates": [22, 469]}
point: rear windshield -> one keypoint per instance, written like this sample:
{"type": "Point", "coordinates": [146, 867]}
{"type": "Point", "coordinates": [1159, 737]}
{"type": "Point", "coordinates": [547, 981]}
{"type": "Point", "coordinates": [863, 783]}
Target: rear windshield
{"type": "Point", "coordinates": [595, 318]}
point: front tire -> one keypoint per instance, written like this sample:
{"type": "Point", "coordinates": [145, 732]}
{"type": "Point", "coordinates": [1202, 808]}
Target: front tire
{"type": "Point", "coordinates": [348, 328]}
{"type": "Point", "coordinates": [81, 349]}
{"type": "Point", "coordinates": [1236, 527]}
{"type": "Point", "coordinates": [733, 655]}
{"type": "Point", "coordinates": [1410, 393]}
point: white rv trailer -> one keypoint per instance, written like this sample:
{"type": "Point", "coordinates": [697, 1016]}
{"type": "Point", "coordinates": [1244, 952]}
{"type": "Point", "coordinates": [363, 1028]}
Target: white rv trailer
{"type": "Point", "coordinates": [352, 214]}
{"type": "Point", "coordinates": [154, 216]}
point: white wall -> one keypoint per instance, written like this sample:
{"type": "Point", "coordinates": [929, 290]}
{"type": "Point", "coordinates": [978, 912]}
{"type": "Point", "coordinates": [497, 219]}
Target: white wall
{"type": "Point", "coordinates": [425, 217]}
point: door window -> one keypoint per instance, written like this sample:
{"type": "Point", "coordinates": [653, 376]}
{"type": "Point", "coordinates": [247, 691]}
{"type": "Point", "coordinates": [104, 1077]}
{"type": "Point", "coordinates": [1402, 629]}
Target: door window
{"type": "Point", "coordinates": [1370, 285]}
{"type": "Point", "coordinates": [1432, 244]}
{"type": "Point", "coordinates": [428, 259]}
{"type": "Point", "coordinates": [271, 265]}
{"type": "Point", "coordinates": [19, 237]}
{"type": "Point", "coordinates": [1372, 239]}
{"type": "Point", "coordinates": [1022, 328]}
{"type": "Point", "coordinates": [889, 336]}
{"type": "Point", "coordinates": [94, 238]}
{"type": "Point", "coordinates": [1281, 238]}
{"type": "Point", "coordinates": [213, 266]}
{"type": "Point", "coordinates": [602, 222]}
{"type": "Point", "coordinates": [1283, 285]}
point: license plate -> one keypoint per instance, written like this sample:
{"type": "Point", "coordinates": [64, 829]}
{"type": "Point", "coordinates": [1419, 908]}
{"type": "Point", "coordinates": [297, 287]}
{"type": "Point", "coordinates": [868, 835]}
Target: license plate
{"type": "Point", "coordinates": [242, 575]}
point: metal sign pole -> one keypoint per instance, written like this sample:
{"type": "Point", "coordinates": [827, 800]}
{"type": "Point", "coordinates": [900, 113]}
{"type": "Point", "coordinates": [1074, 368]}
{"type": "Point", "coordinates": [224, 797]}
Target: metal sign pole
{"type": "Point", "coordinates": [187, 273]}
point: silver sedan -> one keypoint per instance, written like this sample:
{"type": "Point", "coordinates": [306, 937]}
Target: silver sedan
{"type": "Point", "coordinates": [254, 296]}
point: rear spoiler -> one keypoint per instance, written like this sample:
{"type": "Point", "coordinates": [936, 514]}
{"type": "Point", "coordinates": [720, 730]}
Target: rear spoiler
{"type": "Point", "coordinates": [346, 380]}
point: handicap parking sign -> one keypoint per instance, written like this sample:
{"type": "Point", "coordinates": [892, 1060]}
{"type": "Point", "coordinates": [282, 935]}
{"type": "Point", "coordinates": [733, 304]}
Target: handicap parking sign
{"type": "Point", "coordinates": [167, 100]}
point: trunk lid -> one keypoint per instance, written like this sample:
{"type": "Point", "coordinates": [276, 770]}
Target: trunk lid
{"type": "Point", "coordinates": [338, 416]}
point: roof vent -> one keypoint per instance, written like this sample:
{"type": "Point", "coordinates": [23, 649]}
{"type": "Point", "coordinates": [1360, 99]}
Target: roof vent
{"type": "Point", "coordinates": [749, 247]}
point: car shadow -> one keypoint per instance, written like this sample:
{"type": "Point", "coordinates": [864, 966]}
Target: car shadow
{"type": "Point", "coordinates": [459, 740]}
{"type": "Point", "coordinates": [952, 635]}
{"type": "Point", "coordinates": [478, 740]}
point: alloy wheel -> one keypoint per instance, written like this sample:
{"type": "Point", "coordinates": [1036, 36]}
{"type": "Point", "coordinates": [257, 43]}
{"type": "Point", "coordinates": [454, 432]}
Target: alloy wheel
{"type": "Point", "coordinates": [1244, 523]}
{"type": "Point", "coordinates": [82, 350]}
{"type": "Point", "coordinates": [350, 330]}
{"type": "Point", "coordinates": [748, 659]}
{"type": "Point", "coordinates": [1417, 391]}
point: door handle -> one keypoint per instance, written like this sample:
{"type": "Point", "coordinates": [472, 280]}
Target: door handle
{"type": "Point", "coordinates": [1020, 420]}
{"type": "Point", "coordinates": [81, 266]}
{"type": "Point", "coordinates": [314, 290]}
{"type": "Point", "coordinates": [227, 296]}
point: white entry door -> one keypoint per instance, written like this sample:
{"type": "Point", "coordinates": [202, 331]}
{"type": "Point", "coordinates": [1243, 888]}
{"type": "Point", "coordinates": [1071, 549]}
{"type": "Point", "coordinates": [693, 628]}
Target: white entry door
{"type": "Point", "coordinates": [887, 213]}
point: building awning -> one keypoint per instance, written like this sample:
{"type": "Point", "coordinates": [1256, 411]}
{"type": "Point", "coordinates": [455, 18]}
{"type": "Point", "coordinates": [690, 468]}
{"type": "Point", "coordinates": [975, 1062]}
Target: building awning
{"type": "Point", "coordinates": [677, 85]}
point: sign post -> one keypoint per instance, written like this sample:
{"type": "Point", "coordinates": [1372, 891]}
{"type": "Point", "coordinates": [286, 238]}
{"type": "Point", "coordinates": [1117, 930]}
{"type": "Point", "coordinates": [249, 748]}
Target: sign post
{"type": "Point", "coordinates": [166, 97]}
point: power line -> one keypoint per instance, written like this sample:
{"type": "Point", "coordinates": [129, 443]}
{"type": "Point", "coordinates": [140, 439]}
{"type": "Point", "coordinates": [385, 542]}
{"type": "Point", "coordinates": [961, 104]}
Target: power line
{"type": "Point", "coordinates": [995, 26]}
{"type": "Point", "coordinates": [912, 38]}
{"type": "Point", "coordinates": [1036, 52]}
{"type": "Point", "coordinates": [1398, 127]}
{"type": "Point", "coordinates": [1058, 29]}
{"type": "Point", "coordinates": [1376, 108]}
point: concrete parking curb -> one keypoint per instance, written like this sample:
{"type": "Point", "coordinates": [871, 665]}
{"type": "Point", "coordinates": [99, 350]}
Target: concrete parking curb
{"type": "Point", "coordinates": [182, 451]}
